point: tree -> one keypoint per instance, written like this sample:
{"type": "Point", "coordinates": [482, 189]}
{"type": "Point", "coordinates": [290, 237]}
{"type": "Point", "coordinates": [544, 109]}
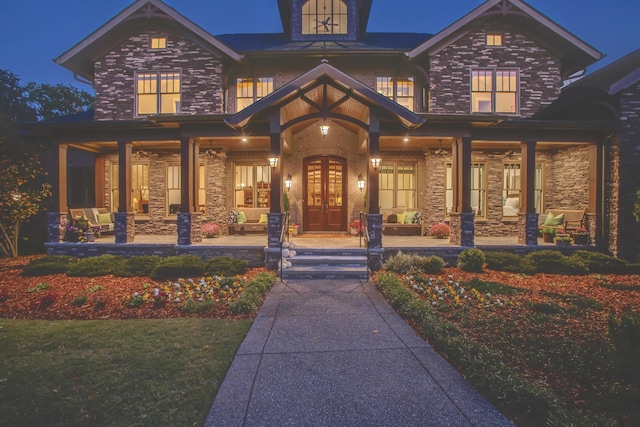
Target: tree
{"type": "Point", "coordinates": [52, 101]}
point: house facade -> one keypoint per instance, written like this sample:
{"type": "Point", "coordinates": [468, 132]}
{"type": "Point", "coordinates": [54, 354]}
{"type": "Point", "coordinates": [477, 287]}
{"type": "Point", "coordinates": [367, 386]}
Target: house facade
{"type": "Point", "coordinates": [189, 126]}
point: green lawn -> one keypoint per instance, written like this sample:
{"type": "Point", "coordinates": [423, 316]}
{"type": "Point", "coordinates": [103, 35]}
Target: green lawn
{"type": "Point", "coordinates": [162, 372]}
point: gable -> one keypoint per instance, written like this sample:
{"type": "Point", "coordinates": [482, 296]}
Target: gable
{"type": "Point", "coordinates": [80, 58]}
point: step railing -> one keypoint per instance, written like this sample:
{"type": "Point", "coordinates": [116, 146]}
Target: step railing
{"type": "Point", "coordinates": [364, 233]}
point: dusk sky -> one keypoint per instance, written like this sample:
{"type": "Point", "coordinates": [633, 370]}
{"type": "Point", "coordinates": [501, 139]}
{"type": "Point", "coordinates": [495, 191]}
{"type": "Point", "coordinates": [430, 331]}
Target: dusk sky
{"type": "Point", "coordinates": [33, 32]}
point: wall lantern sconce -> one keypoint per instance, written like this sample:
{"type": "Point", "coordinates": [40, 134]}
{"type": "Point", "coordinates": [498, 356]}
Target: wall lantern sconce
{"type": "Point", "coordinates": [361, 182]}
{"type": "Point", "coordinates": [324, 129]}
{"type": "Point", "coordinates": [288, 182]}
{"type": "Point", "coordinates": [375, 162]}
{"type": "Point", "coordinates": [273, 162]}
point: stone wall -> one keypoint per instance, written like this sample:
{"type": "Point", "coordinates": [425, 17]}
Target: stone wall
{"type": "Point", "coordinates": [450, 78]}
{"type": "Point", "coordinates": [568, 179]}
{"type": "Point", "coordinates": [201, 74]}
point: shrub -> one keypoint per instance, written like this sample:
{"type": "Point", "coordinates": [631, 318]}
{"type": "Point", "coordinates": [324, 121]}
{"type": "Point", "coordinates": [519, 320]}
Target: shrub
{"type": "Point", "coordinates": [210, 230]}
{"type": "Point", "coordinates": [250, 297]}
{"type": "Point", "coordinates": [137, 266]}
{"type": "Point", "coordinates": [598, 262]}
{"type": "Point", "coordinates": [440, 230]}
{"type": "Point", "coordinates": [56, 264]}
{"type": "Point", "coordinates": [553, 262]}
{"type": "Point", "coordinates": [178, 266]}
{"type": "Point", "coordinates": [431, 264]}
{"type": "Point", "coordinates": [79, 301]}
{"type": "Point", "coordinates": [226, 266]}
{"type": "Point", "coordinates": [46, 300]}
{"type": "Point", "coordinates": [506, 261]}
{"type": "Point", "coordinates": [625, 335]}
{"type": "Point", "coordinates": [97, 266]}
{"type": "Point", "coordinates": [471, 260]}
{"type": "Point", "coordinates": [402, 263]}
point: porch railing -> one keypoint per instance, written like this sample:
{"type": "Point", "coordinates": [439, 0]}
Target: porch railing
{"type": "Point", "coordinates": [364, 226]}
{"type": "Point", "coordinates": [284, 237]}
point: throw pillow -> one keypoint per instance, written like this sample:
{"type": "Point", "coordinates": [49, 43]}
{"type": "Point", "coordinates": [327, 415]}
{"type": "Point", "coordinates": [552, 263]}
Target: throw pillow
{"type": "Point", "coordinates": [418, 218]}
{"type": "Point", "coordinates": [411, 216]}
{"type": "Point", "coordinates": [549, 219]}
{"type": "Point", "coordinates": [233, 217]}
{"type": "Point", "coordinates": [559, 220]}
{"type": "Point", "coordinates": [104, 218]}
{"type": "Point", "coordinates": [264, 218]}
{"type": "Point", "coordinates": [554, 221]}
{"type": "Point", "coordinates": [401, 218]}
{"type": "Point", "coordinates": [393, 218]}
{"type": "Point", "coordinates": [242, 217]}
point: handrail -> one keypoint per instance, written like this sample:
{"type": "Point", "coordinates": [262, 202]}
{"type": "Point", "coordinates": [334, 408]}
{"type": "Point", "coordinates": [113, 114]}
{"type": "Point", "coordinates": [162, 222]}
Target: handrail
{"type": "Point", "coordinates": [284, 235]}
{"type": "Point", "coordinates": [364, 226]}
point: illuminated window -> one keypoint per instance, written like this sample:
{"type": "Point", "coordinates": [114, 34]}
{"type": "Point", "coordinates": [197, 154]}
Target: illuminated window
{"type": "Point", "coordinates": [494, 39]}
{"type": "Point", "coordinates": [202, 188]}
{"type": "Point", "coordinates": [478, 190]}
{"type": "Point", "coordinates": [174, 184]}
{"type": "Point", "coordinates": [400, 90]}
{"type": "Point", "coordinates": [158, 93]}
{"type": "Point", "coordinates": [324, 17]}
{"type": "Point", "coordinates": [250, 90]}
{"type": "Point", "coordinates": [139, 187]}
{"type": "Point", "coordinates": [252, 186]}
{"type": "Point", "coordinates": [397, 186]}
{"type": "Point", "coordinates": [494, 91]}
{"type": "Point", "coordinates": [158, 42]}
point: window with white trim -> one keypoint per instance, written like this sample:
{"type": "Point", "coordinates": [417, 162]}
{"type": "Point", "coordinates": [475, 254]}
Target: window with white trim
{"type": "Point", "coordinates": [494, 91]}
{"type": "Point", "coordinates": [158, 93]}
{"type": "Point", "coordinates": [478, 189]}
{"type": "Point", "coordinates": [174, 187]}
{"type": "Point", "coordinates": [511, 191]}
{"type": "Point", "coordinates": [397, 186]}
{"type": "Point", "coordinates": [250, 90]}
{"type": "Point", "coordinates": [398, 89]}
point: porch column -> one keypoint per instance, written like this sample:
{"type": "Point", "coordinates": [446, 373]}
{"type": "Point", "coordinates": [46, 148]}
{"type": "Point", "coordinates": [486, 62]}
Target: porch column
{"type": "Point", "coordinates": [595, 211]}
{"type": "Point", "coordinates": [124, 218]}
{"type": "Point", "coordinates": [57, 215]}
{"type": "Point", "coordinates": [462, 216]}
{"type": "Point", "coordinates": [99, 180]}
{"type": "Point", "coordinates": [189, 219]}
{"type": "Point", "coordinates": [373, 150]}
{"type": "Point", "coordinates": [528, 218]}
{"type": "Point", "coordinates": [275, 216]}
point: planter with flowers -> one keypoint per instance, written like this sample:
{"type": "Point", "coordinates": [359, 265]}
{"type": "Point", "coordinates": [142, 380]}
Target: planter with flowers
{"type": "Point", "coordinates": [440, 230]}
{"type": "Point", "coordinates": [563, 240]}
{"type": "Point", "coordinates": [580, 236]}
{"type": "Point", "coordinates": [548, 233]}
{"type": "Point", "coordinates": [357, 227]}
{"type": "Point", "coordinates": [210, 230]}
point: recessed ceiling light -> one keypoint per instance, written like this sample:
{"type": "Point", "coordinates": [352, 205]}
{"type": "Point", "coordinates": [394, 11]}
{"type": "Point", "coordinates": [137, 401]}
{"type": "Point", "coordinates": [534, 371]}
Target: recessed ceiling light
{"type": "Point", "coordinates": [244, 139]}
{"type": "Point", "coordinates": [406, 140]}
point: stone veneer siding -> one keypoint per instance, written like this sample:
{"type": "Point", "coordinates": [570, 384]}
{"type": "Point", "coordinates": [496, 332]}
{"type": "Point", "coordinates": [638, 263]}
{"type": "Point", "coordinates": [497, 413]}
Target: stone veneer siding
{"type": "Point", "coordinates": [201, 75]}
{"type": "Point", "coordinates": [450, 75]}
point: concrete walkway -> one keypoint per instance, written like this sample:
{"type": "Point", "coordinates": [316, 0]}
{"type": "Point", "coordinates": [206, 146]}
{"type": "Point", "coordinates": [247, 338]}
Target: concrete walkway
{"type": "Point", "coordinates": [334, 353]}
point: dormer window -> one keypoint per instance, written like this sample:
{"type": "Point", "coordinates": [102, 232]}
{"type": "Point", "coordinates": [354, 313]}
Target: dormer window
{"type": "Point", "coordinates": [324, 17]}
{"type": "Point", "coordinates": [158, 42]}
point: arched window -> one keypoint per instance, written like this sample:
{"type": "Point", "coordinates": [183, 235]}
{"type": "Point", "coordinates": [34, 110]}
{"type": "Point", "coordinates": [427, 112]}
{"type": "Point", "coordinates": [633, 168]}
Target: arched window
{"type": "Point", "coordinates": [324, 17]}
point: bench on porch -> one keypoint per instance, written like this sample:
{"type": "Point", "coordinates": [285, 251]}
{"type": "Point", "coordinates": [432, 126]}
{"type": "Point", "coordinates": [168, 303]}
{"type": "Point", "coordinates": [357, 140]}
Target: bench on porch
{"type": "Point", "coordinates": [570, 221]}
{"type": "Point", "coordinates": [402, 222]}
{"type": "Point", "coordinates": [252, 220]}
{"type": "Point", "coordinates": [86, 218]}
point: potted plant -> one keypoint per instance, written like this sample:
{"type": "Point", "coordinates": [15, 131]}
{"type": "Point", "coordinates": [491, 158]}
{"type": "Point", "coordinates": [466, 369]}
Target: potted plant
{"type": "Point", "coordinates": [72, 233]}
{"type": "Point", "coordinates": [580, 236]}
{"type": "Point", "coordinates": [440, 230]}
{"type": "Point", "coordinates": [357, 227]}
{"type": "Point", "coordinates": [210, 230]}
{"type": "Point", "coordinates": [563, 240]}
{"type": "Point", "coordinates": [548, 233]}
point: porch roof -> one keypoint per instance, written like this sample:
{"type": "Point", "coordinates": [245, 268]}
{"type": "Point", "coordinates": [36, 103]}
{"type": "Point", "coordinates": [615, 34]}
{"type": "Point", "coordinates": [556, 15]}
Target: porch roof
{"type": "Point", "coordinates": [338, 79]}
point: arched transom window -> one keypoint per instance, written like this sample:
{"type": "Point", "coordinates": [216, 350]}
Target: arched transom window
{"type": "Point", "coordinates": [324, 17]}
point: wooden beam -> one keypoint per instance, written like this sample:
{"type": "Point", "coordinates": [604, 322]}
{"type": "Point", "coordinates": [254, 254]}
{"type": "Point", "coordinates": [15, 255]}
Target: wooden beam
{"type": "Point", "coordinates": [373, 173]}
{"type": "Point", "coordinates": [528, 177]}
{"type": "Point", "coordinates": [58, 177]}
{"type": "Point", "coordinates": [99, 180]}
{"type": "Point", "coordinates": [276, 173]}
{"type": "Point", "coordinates": [464, 173]}
{"type": "Point", "coordinates": [124, 176]}
{"type": "Point", "coordinates": [186, 175]}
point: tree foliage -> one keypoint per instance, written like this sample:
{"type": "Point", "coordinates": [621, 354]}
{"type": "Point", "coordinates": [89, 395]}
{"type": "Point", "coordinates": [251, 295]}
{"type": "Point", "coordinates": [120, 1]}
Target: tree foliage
{"type": "Point", "coordinates": [52, 101]}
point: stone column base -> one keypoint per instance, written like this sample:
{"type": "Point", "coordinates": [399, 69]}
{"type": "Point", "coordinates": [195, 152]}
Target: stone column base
{"type": "Point", "coordinates": [189, 228]}
{"type": "Point", "coordinates": [125, 227]}
{"type": "Point", "coordinates": [272, 251]}
{"type": "Point", "coordinates": [56, 223]}
{"type": "Point", "coordinates": [462, 228]}
{"type": "Point", "coordinates": [528, 229]}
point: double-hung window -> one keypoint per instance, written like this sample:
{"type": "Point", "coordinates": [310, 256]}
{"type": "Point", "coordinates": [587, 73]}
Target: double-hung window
{"type": "Point", "coordinates": [511, 189]}
{"type": "Point", "coordinates": [250, 90]}
{"type": "Point", "coordinates": [158, 93]}
{"type": "Point", "coordinates": [174, 185]}
{"type": "Point", "coordinates": [478, 189]}
{"type": "Point", "coordinates": [398, 89]}
{"type": "Point", "coordinates": [494, 91]}
{"type": "Point", "coordinates": [397, 186]}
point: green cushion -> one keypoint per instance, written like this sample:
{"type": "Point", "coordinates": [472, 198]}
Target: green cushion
{"type": "Point", "coordinates": [242, 217]}
{"type": "Point", "coordinates": [104, 218]}
{"type": "Point", "coordinates": [554, 221]}
{"type": "Point", "coordinates": [401, 217]}
{"type": "Point", "coordinates": [410, 217]}
{"type": "Point", "coordinates": [264, 218]}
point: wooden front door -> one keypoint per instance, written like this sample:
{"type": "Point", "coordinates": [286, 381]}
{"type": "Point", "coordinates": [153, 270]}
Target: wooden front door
{"type": "Point", "coordinates": [325, 196]}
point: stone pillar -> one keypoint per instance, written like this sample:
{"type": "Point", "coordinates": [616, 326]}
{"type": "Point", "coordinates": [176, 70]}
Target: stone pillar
{"type": "Point", "coordinates": [125, 227]}
{"type": "Point", "coordinates": [376, 251]}
{"type": "Point", "coordinates": [272, 251]}
{"type": "Point", "coordinates": [462, 228]}
{"type": "Point", "coordinates": [528, 229]}
{"type": "Point", "coordinates": [189, 228]}
{"type": "Point", "coordinates": [56, 222]}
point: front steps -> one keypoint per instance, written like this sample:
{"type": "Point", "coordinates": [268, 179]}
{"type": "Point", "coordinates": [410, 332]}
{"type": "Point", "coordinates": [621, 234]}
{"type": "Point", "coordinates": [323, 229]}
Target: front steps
{"type": "Point", "coordinates": [327, 264]}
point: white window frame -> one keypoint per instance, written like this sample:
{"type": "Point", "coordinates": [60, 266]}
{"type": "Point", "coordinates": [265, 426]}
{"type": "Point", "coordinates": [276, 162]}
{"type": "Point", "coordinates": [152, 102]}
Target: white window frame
{"type": "Point", "coordinates": [257, 93]}
{"type": "Point", "coordinates": [479, 182]}
{"type": "Point", "coordinates": [393, 185]}
{"type": "Point", "coordinates": [489, 81]}
{"type": "Point", "coordinates": [393, 87]}
{"type": "Point", "coordinates": [153, 86]}
{"type": "Point", "coordinates": [114, 183]}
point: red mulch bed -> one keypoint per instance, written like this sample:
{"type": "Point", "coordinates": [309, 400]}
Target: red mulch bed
{"type": "Point", "coordinates": [107, 303]}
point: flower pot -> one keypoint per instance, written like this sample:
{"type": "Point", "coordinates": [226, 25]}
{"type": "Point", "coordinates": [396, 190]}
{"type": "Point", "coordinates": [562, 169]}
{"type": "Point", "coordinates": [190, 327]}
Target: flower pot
{"type": "Point", "coordinates": [91, 237]}
{"type": "Point", "coordinates": [547, 237]}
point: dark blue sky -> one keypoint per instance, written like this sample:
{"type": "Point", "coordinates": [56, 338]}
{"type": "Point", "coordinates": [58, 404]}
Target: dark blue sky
{"type": "Point", "coordinates": [33, 32]}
